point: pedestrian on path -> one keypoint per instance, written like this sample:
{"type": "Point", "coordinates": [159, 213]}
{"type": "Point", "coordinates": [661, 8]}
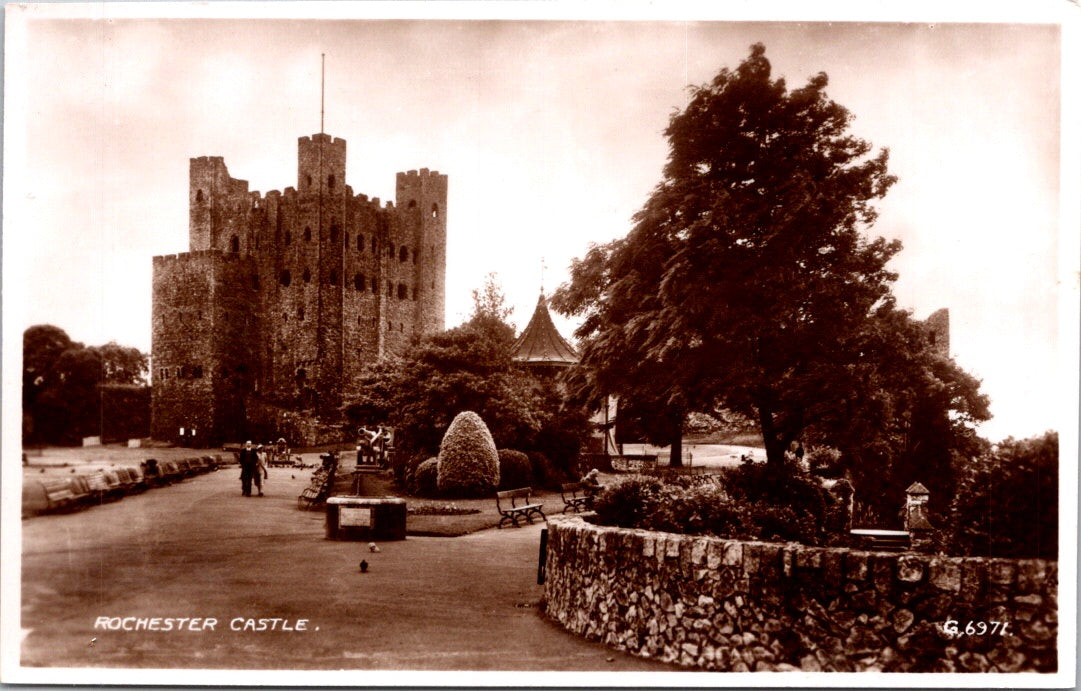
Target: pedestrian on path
{"type": "Point", "coordinates": [249, 460]}
{"type": "Point", "coordinates": [260, 472]}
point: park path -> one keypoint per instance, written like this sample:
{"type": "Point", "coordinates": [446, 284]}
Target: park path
{"type": "Point", "coordinates": [199, 549]}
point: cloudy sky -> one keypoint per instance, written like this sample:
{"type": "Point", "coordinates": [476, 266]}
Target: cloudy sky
{"type": "Point", "coordinates": [551, 134]}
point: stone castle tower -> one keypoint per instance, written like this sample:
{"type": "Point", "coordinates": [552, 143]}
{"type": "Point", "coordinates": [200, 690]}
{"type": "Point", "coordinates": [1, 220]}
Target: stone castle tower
{"type": "Point", "coordinates": [282, 298]}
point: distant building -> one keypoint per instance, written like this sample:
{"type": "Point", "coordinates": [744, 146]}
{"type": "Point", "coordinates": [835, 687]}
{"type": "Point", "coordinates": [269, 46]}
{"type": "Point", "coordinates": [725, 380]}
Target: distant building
{"type": "Point", "coordinates": [282, 298]}
{"type": "Point", "coordinates": [938, 331]}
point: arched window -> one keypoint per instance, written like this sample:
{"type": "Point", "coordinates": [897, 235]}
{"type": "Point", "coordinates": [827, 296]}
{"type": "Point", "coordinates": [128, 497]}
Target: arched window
{"type": "Point", "coordinates": [435, 211]}
{"type": "Point", "coordinates": [255, 281]}
{"type": "Point", "coordinates": [307, 275]}
{"type": "Point", "coordinates": [234, 244]}
{"type": "Point", "coordinates": [333, 232]}
{"type": "Point", "coordinates": [330, 182]}
{"type": "Point", "coordinates": [257, 241]}
{"type": "Point", "coordinates": [301, 375]}
{"type": "Point", "coordinates": [403, 254]}
{"type": "Point", "coordinates": [360, 242]}
{"type": "Point", "coordinates": [402, 291]}
{"type": "Point", "coordinates": [198, 195]}
{"type": "Point", "coordinates": [286, 278]}
{"type": "Point", "coordinates": [373, 244]}
{"type": "Point", "coordinates": [307, 233]}
{"type": "Point", "coordinates": [412, 203]}
{"type": "Point", "coordinates": [308, 180]}
{"type": "Point", "coordinates": [300, 313]}
{"type": "Point", "coordinates": [358, 281]}
{"type": "Point", "coordinates": [288, 238]}
{"type": "Point", "coordinates": [333, 278]}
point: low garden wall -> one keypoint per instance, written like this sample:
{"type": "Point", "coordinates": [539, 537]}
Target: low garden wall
{"type": "Point", "coordinates": [736, 606]}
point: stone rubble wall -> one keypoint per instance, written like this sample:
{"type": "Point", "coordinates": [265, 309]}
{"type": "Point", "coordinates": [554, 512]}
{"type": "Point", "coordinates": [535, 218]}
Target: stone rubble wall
{"type": "Point", "coordinates": [727, 605]}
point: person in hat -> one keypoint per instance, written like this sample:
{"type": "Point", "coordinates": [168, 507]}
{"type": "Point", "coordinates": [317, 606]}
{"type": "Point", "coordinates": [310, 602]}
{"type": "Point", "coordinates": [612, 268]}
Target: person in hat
{"type": "Point", "coordinates": [249, 463]}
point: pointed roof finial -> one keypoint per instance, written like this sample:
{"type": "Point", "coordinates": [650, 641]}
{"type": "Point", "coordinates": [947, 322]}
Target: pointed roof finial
{"type": "Point", "coordinates": [542, 275]}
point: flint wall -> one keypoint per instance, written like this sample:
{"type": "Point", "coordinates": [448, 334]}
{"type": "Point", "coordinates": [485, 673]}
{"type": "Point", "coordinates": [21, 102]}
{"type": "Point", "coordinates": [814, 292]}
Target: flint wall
{"type": "Point", "coordinates": [727, 605]}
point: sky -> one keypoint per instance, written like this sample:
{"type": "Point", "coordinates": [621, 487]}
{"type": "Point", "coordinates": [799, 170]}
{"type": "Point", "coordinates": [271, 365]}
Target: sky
{"type": "Point", "coordinates": [551, 133]}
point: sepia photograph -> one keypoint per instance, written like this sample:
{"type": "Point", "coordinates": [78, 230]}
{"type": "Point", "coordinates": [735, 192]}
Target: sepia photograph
{"type": "Point", "coordinates": [540, 344]}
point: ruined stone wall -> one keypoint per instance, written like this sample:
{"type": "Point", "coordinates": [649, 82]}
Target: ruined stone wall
{"type": "Point", "coordinates": [746, 606]}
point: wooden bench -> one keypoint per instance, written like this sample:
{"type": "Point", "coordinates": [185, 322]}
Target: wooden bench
{"type": "Point", "coordinates": [59, 494]}
{"type": "Point", "coordinates": [320, 488]}
{"type": "Point", "coordinates": [568, 491]}
{"type": "Point", "coordinates": [511, 513]}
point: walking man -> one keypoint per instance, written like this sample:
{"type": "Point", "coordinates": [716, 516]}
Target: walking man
{"type": "Point", "coordinates": [249, 463]}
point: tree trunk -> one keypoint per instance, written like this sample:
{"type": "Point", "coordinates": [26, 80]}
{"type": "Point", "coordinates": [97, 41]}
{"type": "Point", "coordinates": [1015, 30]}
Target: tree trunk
{"type": "Point", "coordinates": [676, 458]}
{"type": "Point", "coordinates": [774, 446]}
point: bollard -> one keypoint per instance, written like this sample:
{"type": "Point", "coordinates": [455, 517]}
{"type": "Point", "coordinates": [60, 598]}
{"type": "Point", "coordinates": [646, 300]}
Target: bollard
{"type": "Point", "coordinates": [542, 557]}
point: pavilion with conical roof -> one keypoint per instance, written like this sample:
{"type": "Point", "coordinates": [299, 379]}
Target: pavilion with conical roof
{"type": "Point", "coordinates": [540, 347]}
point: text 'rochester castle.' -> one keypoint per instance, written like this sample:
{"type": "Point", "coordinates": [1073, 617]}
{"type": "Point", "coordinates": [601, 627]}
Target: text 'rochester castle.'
{"type": "Point", "coordinates": [283, 298]}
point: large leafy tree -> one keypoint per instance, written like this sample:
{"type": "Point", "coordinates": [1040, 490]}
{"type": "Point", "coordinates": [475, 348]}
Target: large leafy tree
{"type": "Point", "coordinates": [63, 384]}
{"type": "Point", "coordinates": [746, 279]}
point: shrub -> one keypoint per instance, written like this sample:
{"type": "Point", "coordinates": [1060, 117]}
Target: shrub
{"type": "Point", "coordinates": [545, 474]}
{"type": "Point", "coordinates": [426, 477]}
{"type": "Point", "coordinates": [755, 502]}
{"type": "Point", "coordinates": [629, 503]}
{"type": "Point", "coordinates": [825, 461]}
{"type": "Point", "coordinates": [515, 470]}
{"type": "Point", "coordinates": [468, 462]}
{"type": "Point", "coordinates": [1007, 503]}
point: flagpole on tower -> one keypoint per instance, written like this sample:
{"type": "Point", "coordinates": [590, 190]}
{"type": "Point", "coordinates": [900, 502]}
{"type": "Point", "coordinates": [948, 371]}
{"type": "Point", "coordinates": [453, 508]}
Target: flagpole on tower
{"type": "Point", "coordinates": [322, 87]}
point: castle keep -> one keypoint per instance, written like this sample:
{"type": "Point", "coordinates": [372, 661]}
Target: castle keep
{"type": "Point", "coordinates": [282, 298]}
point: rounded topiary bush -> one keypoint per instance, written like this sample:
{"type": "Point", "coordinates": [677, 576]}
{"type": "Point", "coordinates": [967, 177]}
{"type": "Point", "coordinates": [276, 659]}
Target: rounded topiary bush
{"type": "Point", "coordinates": [426, 477]}
{"type": "Point", "coordinates": [468, 462]}
{"type": "Point", "coordinates": [515, 470]}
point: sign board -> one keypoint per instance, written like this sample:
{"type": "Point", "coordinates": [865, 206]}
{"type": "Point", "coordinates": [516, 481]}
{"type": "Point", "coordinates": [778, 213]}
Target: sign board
{"type": "Point", "coordinates": [354, 516]}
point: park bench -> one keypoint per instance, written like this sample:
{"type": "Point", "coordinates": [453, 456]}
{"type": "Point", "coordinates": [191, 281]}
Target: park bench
{"type": "Point", "coordinates": [511, 513]}
{"type": "Point", "coordinates": [644, 463]}
{"type": "Point", "coordinates": [568, 491]}
{"type": "Point", "coordinates": [80, 487]}
{"type": "Point", "coordinates": [99, 486]}
{"type": "Point", "coordinates": [58, 493]}
{"type": "Point", "coordinates": [881, 540]}
{"type": "Point", "coordinates": [170, 472]}
{"type": "Point", "coordinates": [47, 495]}
{"type": "Point", "coordinates": [320, 488]}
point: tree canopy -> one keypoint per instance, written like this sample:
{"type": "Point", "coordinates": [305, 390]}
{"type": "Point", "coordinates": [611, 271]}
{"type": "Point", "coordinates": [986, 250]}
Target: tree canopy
{"type": "Point", "coordinates": [746, 281]}
{"type": "Point", "coordinates": [63, 384]}
{"type": "Point", "coordinates": [466, 368]}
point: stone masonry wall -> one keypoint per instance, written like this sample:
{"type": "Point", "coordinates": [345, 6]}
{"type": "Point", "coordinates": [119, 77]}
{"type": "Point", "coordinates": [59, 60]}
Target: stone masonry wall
{"type": "Point", "coordinates": [736, 606]}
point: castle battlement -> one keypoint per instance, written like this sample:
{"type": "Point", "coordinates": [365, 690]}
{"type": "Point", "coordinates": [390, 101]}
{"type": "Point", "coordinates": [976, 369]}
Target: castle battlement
{"type": "Point", "coordinates": [322, 136]}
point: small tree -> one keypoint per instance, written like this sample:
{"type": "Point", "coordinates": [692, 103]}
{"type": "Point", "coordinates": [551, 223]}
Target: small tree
{"type": "Point", "coordinates": [1007, 504]}
{"type": "Point", "coordinates": [468, 461]}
